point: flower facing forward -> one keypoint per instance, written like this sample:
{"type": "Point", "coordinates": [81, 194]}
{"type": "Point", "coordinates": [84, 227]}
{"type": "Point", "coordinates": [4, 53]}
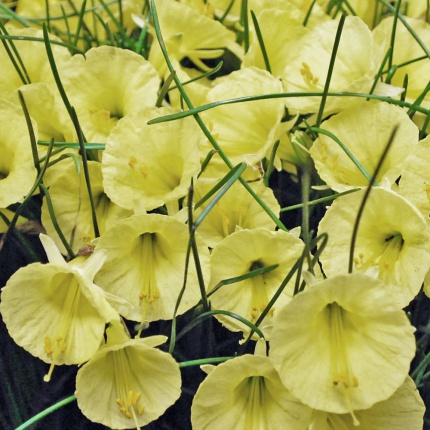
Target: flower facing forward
{"type": "Point", "coordinates": [54, 311]}
{"type": "Point", "coordinates": [106, 85]}
{"type": "Point", "coordinates": [128, 383]}
{"type": "Point", "coordinates": [145, 264]}
{"type": "Point", "coordinates": [403, 410]}
{"type": "Point", "coordinates": [241, 253]}
{"type": "Point", "coordinates": [152, 164]}
{"type": "Point", "coordinates": [342, 344]}
{"type": "Point", "coordinates": [392, 235]}
{"type": "Point", "coordinates": [245, 393]}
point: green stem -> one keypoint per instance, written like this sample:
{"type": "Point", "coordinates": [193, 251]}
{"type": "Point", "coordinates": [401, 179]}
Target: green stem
{"type": "Point", "coordinates": [46, 412]}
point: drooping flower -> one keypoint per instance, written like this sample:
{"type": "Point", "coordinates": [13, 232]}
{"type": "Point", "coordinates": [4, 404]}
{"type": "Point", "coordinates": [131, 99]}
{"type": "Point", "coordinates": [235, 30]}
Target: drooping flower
{"type": "Point", "coordinates": [342, 344]}
{"type": "Point", "coordinates": [128, 382]}
{"type": "Point", "coordinates": [403, 410]}
{"type": "Point", "coordinates": [364, 129]}
{"type": "Point", "coordinates": [152, 164]}
{"type": "Point", "coordinates": [54, 311]}
{"type": "Point", "coordinates": [71, 203]}
{"type": "Point", "coordinates": [17, 171]}
{"type": "Point", "coordinates": [245, 393]}
{"type": "Point", "coordinates": [145, 265]}
{"type": "Point", "coordinates": [392, 235]}
{"type": "Point", "coordinates": [245, 251]}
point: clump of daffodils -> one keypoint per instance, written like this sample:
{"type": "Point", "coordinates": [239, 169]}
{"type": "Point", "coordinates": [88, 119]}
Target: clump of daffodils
{"type": "Point", "coordinates": [231, 202]}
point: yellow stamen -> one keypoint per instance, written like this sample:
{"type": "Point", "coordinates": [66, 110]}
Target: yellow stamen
{"type": "Point", "coordinates": [149, 291]}
{"type": "Point", "coordinates": [132, 162]}
{"type": "Point", "coordinates": [385, 259]}
{"type": "Point", "coordinates": [308, 76]}
{"type": "Point", "coordinates": [259, 299]}
{"type": "Point", "coordinates": [56, 347]}
{"type": "Point", "coordinates": [128, 399]}
{"type": "Point", "coordinates": [341, 371]}
{"type": "Point", "coordinates": [256, 414]}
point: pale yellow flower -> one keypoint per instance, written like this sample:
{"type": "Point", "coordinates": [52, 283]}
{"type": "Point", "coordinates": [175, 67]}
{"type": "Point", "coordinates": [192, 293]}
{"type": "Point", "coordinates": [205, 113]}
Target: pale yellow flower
{"type": "Point", "coordinates": [106, 85]}
{"type": "Point", "coordinates": [405, 50]}
{"type": "Point", "coordinates": [364, 129]}
{"type": "Point", "coordinates": [236, 210]}
{"type": "Point", "coordinates": [392, 235]}
{"type": "Point", "coordinates": [403, 410]}
{"type": "Point", "coordinates": [358, 59]}
{"type": "Point", "coordinates": [33, 55]}
{"type": "Point", "coordinates": [145, 265]}
{"type": "Point", "coordinates": [241, 253]}
{"type": "Point", "coordinates": [414, 184]}
{"type": "Point", "coordinates": [152, 164]}
{"type": "Point", "coordinates": [17, 171]}
{"type": "Point", "coordinates": [128, 382]}
{"type": "Point", "coordinates": [273, 19]}
{"type": "Point", "coordinates": [187, 33]}
{"type": "Point", "coordinates": [69, 196]}
{"type": "Point", "coordinates": [54, 311]}
{"type": "Point", "coordinates": [46, 108]}
{"type": "Point", "coordinates": [342, 344]}
{"type": "Point", "coordinates": [247, 129]}
{"type": "Point", "coordinates": [245, 393]}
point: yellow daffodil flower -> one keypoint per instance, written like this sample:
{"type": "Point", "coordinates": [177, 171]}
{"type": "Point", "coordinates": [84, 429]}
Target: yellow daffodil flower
{"type": "Point", "coordinates": [145, 264]}
{"type": "Point", "coordinates": [392, 235]}
{"type": "Point", "coordinates": [54, 311]}
{"type": "Point", "coordinates": [245, 393]}
{"type": "Point", "coordinates": [409, 57]}
{"type": "Point", "coordinates": [357, 60]}
{"type": "Point", "coordinates": [245, 129]}
{"type": "Point", "coordinates": [17, 171]}
{"type": "Point", "coordinates": [188, 34]}
{"type": "Point", "coordinates": [69, 195]}
{"type": "Point", "coordinates": [403, 410]}
{"type": "Point", "coordinates": [35, 60]}
{"type": "Point", "coordinates": [414, 184]}
{"type": "Point", "coordinates": [342, 344]}
{"type": "Point", "coordinates": [153, 164]}
{"type": "Point", "coordinates": [364, 129]}
{"type": "Point", "coordinates": [128, 382]}
{"type": "Point", "coordinates": [236, 210]}
{"type": "Point", "coordinates": [243, 252]}
{"type": "Point", "coordinates": [106, 85]}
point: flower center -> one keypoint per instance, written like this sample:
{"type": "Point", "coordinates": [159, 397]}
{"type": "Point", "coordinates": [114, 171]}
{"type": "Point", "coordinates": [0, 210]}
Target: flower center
{"type": "Point", "coordinates": [259, 299]}
{"type": "Point", "coordinates": [256, 414]}
{"type": "Point", "coordinates": [128, 399]}
{"type": "Point", "coordinates": [308, 77]}
{"type": "Point", "coordinates": [342, 375]}
{"type": "Point", "coordinates": [56, 346]}
{"type": "Point", "coordinates": [149, 291]}
{"type": "Point", "coordinates": [385, 259]}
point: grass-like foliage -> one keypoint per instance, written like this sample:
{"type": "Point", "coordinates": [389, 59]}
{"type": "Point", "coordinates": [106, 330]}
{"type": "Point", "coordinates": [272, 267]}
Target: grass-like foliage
{"type": "Point", "coordinates": [214, 214]}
